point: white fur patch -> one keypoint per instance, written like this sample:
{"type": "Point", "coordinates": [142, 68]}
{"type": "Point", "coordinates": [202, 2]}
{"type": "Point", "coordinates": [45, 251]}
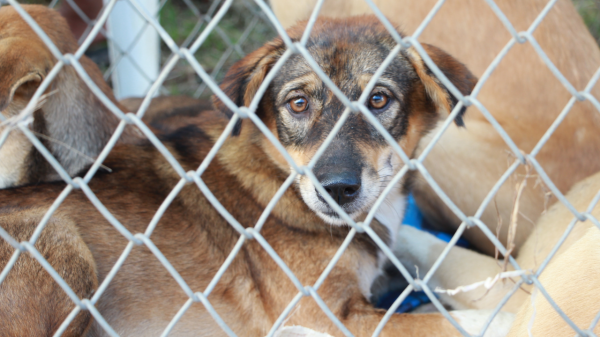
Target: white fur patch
{"type": "Point", "coordinates": [413, 247]}
{"type": "Point", "coordinates": [13, 154]}
{"type": "Point", "coordinates": [473, 321]}
{"type": "Point", "coordinates": [298, 331]}
{"type": "Point", "coordinates": [391, 213]}
{"type": "Point", "coordinates": [368, 270]}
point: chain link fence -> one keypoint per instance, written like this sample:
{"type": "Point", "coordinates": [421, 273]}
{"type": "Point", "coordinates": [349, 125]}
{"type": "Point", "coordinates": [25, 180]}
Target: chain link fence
{"type": "Point", "coordinates": [206, 28]}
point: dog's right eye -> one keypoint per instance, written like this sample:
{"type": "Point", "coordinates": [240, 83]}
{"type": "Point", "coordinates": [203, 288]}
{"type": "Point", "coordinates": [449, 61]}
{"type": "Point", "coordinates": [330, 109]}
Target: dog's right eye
{"type": "Point", "coordinates": [378, 101]}
{"type": "Point", "coordinates": [298, 104]}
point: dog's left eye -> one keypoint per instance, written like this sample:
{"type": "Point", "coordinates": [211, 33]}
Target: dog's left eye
{"type": "Point", "coordinates": [378, 101]}
{"type": "Point", "coordinates": [298, 104]}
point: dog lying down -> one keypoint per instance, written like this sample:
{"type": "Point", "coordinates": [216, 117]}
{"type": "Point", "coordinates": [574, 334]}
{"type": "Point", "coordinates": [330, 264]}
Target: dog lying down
{"type": "Point", "coordinates": [143, 297]}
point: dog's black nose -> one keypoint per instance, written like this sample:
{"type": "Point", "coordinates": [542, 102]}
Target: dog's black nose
{"type": "Point", "coordinates": [343, 188]}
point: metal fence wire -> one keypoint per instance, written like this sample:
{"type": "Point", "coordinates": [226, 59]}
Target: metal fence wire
{"type": "Point", "coordinates": [206, 24]}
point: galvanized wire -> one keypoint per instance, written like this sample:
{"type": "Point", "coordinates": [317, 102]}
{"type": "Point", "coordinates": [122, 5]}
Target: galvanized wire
{"type": "Point", "coordinates": [261, 11]}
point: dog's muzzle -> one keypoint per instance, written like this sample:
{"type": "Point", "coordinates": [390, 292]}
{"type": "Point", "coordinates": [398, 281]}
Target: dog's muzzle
{"type": "Point", "coordinates": [343, 187]}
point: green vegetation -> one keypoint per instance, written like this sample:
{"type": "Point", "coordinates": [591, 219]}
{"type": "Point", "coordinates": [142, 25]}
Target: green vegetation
{"type": "Point", "coordinates": [177, 20]}
{"type": "Point", "coordinates": [590, 12]}
{"type": "Point", "coordinates": [239, 32]}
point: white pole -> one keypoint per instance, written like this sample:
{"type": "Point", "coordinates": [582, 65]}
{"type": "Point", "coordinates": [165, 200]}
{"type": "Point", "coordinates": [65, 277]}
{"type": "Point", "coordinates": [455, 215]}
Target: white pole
{"type": "Point", "coordinates": [134, 74]}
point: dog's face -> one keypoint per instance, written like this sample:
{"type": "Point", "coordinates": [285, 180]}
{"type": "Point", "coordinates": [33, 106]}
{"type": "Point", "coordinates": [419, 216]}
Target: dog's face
{"type": "Point", "coordinates": [301, 110]}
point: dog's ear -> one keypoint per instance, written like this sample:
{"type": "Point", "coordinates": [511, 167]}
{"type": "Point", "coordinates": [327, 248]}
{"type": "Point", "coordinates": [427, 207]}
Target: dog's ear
{"type": "Point", "coordinates": [23, 66]}
{"type": "Point", "coordinates": [245, 77]}
{"type": "Point", "coordinates": [455, 71]}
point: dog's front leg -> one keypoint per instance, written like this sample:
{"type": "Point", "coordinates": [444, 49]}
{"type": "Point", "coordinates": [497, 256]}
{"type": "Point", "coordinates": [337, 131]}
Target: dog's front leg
{"type": "Point", "coordinates": [461, 267]}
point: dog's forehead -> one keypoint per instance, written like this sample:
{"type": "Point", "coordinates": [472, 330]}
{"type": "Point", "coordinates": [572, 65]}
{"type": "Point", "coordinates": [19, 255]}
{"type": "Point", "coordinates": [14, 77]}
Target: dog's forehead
{"type": "Point", "coordinates": [348, 52]}
{"type": "Point", "coordinates": [348, 56]}
{"type": "Point", "coordinates": [346, 64]}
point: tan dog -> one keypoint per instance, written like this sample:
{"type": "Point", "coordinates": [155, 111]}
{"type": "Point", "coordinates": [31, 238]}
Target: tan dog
{"type": "Point", "coordinates": [522, 94]}
{"type": "Point", "coordinates": [143, 297]}
{"type": "Point", "coordinates": [571, 278]}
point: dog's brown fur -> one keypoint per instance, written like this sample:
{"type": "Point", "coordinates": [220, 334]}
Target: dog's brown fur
{"type": "Point", "coordinates": [143, 297]}
{"type": "Point", "coordinates": [72, 122]}
{"type": "Point", "coordinates": [522, 94]}
{"type": "Point", "coordinates": [28, 291]}
{"type": "Point", "coordinates": [168, 113]}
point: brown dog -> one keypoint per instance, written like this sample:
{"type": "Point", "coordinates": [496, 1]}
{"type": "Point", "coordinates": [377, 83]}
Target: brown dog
{"type": "Point", "coordinates": [71, 122]}
{"type": "Point", "coordinates": [522, 94]}
{"type": "Point", "coordinates": [299, 110]}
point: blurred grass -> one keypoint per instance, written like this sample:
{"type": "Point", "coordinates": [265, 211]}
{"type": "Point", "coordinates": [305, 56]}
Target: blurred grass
{"type": "Point", "coordinates": [179, 21]}
{"type": "Point", "coordinates": [590, 12]}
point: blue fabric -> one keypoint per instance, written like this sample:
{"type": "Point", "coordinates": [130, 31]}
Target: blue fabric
{"type": "Point", "coordinates": [411, 302]}
{"type": "Point", "coordinates": [414, 218]}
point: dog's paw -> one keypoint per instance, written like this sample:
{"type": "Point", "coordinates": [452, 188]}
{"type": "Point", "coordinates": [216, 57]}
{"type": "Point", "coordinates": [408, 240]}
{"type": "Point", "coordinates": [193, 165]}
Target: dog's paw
{"type": "Point", "coordinates": [414, 247]}
{"type": "Point", "coordinates": [473, 321]}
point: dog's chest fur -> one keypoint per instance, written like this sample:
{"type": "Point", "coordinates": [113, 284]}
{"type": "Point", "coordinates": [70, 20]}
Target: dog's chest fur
{"type": "Point", "coordinates": [390, 215]}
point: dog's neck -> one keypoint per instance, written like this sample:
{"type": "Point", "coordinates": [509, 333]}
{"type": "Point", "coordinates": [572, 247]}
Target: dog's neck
{"type": "Point", "coordinates": [247, 156]}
